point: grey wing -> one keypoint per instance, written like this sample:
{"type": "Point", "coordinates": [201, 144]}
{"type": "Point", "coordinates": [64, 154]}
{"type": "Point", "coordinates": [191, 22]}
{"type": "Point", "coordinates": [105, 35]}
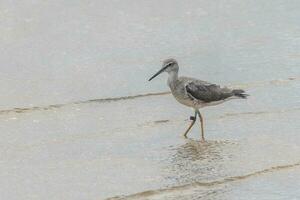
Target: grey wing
{"type": "Point", "coordinates": [207, 92]}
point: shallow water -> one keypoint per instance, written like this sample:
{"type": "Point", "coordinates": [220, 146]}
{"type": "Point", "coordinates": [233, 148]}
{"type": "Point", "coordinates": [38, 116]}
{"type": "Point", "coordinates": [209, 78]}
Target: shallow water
{"type": "Point", "coordinates": [79, 120]}
{"type": "Point", "coordinates": [56, 52]}
{"type": "Point", "coordinates": [98, 150]}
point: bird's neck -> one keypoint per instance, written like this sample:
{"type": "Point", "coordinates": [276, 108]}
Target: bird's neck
{"type": "Point", "coordinates": [173, 77]}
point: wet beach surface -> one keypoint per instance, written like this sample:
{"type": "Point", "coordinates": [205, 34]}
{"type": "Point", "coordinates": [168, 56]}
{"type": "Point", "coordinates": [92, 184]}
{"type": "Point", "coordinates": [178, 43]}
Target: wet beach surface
{"type": "Point", "coordinates": [126, 150]}
{"type": "Point", "coordinates": [79, 120]}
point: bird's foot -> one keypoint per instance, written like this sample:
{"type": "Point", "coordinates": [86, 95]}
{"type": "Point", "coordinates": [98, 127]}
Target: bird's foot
{"type": "Point", "coordinates": [202, 140]}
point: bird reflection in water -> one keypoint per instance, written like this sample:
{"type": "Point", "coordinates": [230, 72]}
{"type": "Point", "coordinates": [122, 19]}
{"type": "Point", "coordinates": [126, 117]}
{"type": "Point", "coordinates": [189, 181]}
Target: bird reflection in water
{"type": "Point", "coordinates": [194, 161]}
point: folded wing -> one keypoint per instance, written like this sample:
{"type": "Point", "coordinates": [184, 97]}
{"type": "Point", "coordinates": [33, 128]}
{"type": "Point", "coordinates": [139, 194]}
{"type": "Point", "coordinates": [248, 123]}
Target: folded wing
{"type": "Point", "coordinates": [207, 92]}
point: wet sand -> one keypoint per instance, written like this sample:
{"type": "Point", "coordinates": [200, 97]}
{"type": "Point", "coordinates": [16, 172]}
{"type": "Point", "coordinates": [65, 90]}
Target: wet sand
{"type": "Point", "coordinates": [80, 121]}
{"type": "Point", "coordinates": [133, 148]}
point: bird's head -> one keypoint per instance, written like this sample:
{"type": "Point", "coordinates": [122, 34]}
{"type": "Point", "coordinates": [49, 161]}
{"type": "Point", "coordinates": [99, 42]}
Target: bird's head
{"type": "Point", "coordinates": [169, 65]}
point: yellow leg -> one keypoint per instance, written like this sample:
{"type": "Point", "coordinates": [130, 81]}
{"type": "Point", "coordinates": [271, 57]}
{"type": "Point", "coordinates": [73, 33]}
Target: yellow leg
{"type": "Point", "coordinates": [193, 122]}
{"type": "Point", "coordinates": [202, 126]}
{"type": "Point", "coordinates": [189, 128]}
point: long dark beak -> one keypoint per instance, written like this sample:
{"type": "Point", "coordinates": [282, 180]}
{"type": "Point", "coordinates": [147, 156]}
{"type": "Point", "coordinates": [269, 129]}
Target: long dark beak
{"type": "Point", "coordinates": [157, 73]}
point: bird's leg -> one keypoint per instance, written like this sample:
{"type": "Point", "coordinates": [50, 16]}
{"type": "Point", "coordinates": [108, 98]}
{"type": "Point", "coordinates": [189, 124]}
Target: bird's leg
{"type": "Point", "coordinates": [193, 118]}
{"type": "Point", "coordinates": [202, 126]}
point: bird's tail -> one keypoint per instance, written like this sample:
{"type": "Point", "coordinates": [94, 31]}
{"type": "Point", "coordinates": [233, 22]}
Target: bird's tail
{"type": "Point", "coordinates": [240, 94]}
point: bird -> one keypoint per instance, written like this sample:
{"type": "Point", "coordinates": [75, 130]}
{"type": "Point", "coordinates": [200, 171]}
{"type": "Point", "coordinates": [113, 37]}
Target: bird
{"type": "Point", "coordinates": [196, 93]}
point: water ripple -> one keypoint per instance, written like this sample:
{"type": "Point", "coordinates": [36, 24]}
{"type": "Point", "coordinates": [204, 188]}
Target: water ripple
{"type": "Point", "coordinates": [113, 99]}
{"type": "Point", "coordinates": [194, 185]}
